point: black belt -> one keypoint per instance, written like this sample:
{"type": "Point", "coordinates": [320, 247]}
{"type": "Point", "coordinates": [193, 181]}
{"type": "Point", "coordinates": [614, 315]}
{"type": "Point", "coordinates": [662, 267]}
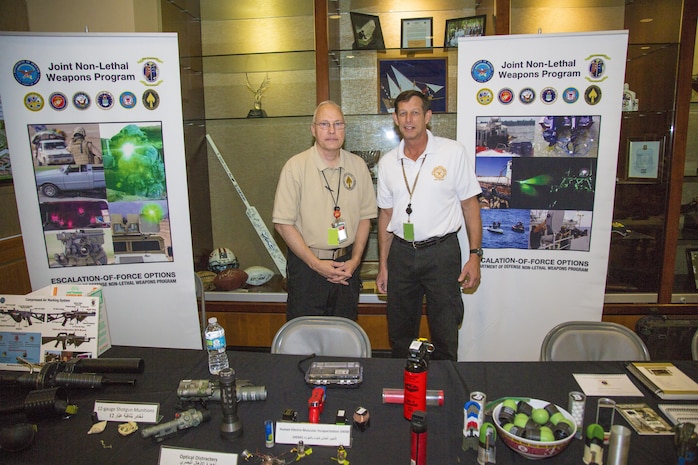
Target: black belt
{"type": "Point", "coordinates": [426, 242]}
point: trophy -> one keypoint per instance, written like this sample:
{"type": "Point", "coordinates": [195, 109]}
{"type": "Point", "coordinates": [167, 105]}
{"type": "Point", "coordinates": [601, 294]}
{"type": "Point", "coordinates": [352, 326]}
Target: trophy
{"type": "Point", "coordinates": [257, 111]}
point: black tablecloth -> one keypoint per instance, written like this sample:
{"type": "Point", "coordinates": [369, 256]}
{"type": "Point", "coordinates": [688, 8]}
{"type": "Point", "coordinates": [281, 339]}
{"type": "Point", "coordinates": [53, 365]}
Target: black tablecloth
{"type": "Point", "coordinates": [386, 441]}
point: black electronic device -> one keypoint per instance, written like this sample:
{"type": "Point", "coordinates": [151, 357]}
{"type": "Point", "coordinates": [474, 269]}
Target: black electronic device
{"type": "Point", "coordinates": [335, 374]}
{"type": "Point", "coordinates": [231, 427]}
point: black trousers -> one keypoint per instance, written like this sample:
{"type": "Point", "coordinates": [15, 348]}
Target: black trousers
{"type": "Point", "coordinates": [414, 274]}
{"type": "Point", "coordinates": [311, 294]}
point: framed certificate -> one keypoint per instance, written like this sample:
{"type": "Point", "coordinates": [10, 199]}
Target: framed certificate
{"type": "Point", "coordinates": [644, 160]}
{"type": "Point", "coordinates": [417, 33]}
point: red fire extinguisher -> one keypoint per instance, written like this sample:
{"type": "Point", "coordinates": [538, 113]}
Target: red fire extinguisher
{"type": "Point", "coordinates": [415, 377]}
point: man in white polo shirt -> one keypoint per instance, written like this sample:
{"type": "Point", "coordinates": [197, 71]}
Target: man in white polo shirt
{"type": "Point", "coordinates": [323, 207]}
{"type": "Point", "coordinates": [426, 187]}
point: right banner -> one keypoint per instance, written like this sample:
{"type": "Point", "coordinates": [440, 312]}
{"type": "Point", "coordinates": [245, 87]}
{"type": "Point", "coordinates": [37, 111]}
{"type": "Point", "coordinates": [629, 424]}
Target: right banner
{"type": "Point", "coordinates": [541, 114]}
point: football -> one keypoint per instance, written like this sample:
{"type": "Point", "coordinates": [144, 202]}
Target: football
{"type": "Point", "coordinates": [230, 279]}
{"type": "Point", "coordinates": [258, 275]}
{"type": "Point", "coordinates": [207, 279]}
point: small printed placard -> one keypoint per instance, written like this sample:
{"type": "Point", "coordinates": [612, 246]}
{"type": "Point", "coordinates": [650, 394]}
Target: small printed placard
{"type": "Point", "coordinates": [180, 456]}
{"type": "Point", "coordinates": [313, 434]}
{"type": "Point", "coordinates": [126, 411]}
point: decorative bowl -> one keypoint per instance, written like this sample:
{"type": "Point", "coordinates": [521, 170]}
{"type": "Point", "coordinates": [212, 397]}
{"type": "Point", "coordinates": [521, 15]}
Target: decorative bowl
{"type": "Point", "coordinates": [531, 449]}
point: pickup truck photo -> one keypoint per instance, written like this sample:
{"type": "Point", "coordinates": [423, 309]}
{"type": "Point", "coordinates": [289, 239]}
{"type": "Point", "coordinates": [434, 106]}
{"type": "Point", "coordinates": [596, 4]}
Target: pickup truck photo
{"type": "Point", "coordinates": [70, 179]}
{"type": "Point", "coordinates": [53, 152]}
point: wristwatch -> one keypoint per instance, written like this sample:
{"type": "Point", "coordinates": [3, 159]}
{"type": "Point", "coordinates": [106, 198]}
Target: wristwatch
{"type": "Point", "coordinates": [479, 252]}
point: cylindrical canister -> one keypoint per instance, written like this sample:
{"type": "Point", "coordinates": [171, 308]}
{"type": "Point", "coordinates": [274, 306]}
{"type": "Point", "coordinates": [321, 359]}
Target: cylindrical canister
{"type": "Point", "coordinates": [418, 450]}
{"type": "Point", "coordinates": [481, 399]}
{"type": "Point", "coordinates": [397, 396]}
{"type": "Point", "coordinates": [577, 401]}
{"type": "Point", "coordinates": [269, 433]}
{"type": "Point", "coordinates": [415, 392]}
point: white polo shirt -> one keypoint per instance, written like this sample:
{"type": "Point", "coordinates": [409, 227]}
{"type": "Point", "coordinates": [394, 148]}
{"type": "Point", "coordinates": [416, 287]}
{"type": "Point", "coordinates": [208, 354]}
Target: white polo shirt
{"type": "Point", "coordinates": [446, 177]}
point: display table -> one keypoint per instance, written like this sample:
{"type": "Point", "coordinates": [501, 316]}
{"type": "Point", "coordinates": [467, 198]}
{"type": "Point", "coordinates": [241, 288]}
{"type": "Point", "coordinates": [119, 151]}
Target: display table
{"type": "Point", "coordinates": [386, 441]}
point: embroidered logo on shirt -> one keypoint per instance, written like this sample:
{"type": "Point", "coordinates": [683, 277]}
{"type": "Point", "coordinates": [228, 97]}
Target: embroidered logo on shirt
{"type": "Point", "coordinates": [439, 173]}
{"type": "Point", "coordinates": [349, 181]}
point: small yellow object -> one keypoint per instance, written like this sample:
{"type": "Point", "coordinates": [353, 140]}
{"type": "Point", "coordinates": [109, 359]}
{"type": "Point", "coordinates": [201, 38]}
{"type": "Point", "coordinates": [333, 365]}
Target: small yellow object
{"type": "Point", "coordinates": [128, 428]}
{"type": "Point", "coordinates": [341, 456]}
{"type": "Point", "coordinates": [302, 452]}
{"type": "Point", "coordinates": [98, 427]}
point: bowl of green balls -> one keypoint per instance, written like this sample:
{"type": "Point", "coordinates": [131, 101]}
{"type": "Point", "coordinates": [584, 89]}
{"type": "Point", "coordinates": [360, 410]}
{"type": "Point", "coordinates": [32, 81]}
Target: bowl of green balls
{"type": "Point", "coordinates": [536, 429]}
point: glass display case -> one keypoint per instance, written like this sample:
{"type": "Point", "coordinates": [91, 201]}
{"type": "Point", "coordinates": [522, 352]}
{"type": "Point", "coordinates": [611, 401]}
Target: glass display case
{"type": "Point", "coordinates": [243, 64]}
{"type": "Point", "coordinates": [637, 244]}
{"type": "Point", "coordinates": [259, 77]}
{"type": "Point", "coordinates": [686, 269]}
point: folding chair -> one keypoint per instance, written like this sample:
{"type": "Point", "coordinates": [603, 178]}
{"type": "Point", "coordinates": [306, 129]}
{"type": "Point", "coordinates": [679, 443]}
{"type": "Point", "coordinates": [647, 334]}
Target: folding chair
{"type": "Point", "coordinates": [322, 335]}
{"type": "Point", "coordinates": [592, 340]}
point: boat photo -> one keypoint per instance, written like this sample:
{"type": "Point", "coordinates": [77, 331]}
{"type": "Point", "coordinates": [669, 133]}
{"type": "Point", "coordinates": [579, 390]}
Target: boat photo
{"type": "Point", "coordinates": [518, 227]}
{"type": "Point", "coordinates": [393, 82]}
{"type": "Point", "coordinates": [495, 227]}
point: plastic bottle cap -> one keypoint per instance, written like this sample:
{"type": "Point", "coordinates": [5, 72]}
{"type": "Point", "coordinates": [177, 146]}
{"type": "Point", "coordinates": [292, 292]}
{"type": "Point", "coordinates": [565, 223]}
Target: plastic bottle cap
{"type": "Point", "coordinates": [213, 320]}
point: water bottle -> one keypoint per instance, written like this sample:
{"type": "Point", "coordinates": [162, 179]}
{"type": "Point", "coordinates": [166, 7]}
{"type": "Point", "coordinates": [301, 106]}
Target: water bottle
{"type": "Point", "coordinates": [215, 345]}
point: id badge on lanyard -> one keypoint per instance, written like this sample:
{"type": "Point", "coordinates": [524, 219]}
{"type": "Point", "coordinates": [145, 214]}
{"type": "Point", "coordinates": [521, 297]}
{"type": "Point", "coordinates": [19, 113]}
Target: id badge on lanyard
{"type": "Point", "coordinates": [337, 234]}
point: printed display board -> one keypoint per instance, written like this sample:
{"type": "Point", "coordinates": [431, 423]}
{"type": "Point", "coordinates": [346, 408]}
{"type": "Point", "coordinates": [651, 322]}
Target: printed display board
{"type": "Point", "coordinates": [541, 116]}
{"type": "Point", "coordinates": [94, 130]}
{"type": "Point", "coordinates": [56, 323]}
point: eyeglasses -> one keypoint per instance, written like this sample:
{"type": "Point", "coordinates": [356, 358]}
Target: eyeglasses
{"type": "Point", "coordinates": [325, 125]}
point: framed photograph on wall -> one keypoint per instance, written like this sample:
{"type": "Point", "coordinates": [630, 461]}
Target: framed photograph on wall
{"type": "Point", "coordinates": [470, 26]}
{"type": "Point", "coordinates": [692, 265]}
{"type": "Point", "coordinates": [644, 161]}
{"type": "Point", "coordinates": [368, 34]}
{"type": "Point", "coordinates": [417, 33]}
{"type": "Point", "coordinates": [427, 75]}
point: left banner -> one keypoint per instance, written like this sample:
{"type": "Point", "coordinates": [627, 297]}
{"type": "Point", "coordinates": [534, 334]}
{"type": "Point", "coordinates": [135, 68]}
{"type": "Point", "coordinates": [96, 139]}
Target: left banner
{"type": "Point", "coordinates": [94, 130]}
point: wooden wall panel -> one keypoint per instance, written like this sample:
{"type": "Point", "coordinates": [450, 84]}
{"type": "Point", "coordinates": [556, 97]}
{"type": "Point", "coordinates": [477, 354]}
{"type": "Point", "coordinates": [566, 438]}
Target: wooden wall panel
{"type": "Point", "coordinates": [254, 325]}
{"type": "Point", "coordinates": [14, 276]}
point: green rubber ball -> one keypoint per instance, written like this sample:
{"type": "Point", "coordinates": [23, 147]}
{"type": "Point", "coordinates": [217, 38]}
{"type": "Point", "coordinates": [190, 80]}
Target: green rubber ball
{"type": "Point", "coordinates": [546, 434]}
{"type": "Point", "coordinates": [556, 417]}
{"type": "Point", "coordinates": [540, 416]}
{"type": "Point", "coordinates": [569, 422]}
{"type": "Point", "coordinates": [520, 420]}
{"type": "Point", "coordinates": [511, 403]}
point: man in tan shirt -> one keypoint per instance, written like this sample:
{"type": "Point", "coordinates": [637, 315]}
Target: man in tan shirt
{"type": "Point", "coordinates": [323, 206]}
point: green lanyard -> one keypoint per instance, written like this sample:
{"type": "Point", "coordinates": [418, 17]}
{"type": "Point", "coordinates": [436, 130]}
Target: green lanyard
{"type": "Point", "coordinates": [408, 210]}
